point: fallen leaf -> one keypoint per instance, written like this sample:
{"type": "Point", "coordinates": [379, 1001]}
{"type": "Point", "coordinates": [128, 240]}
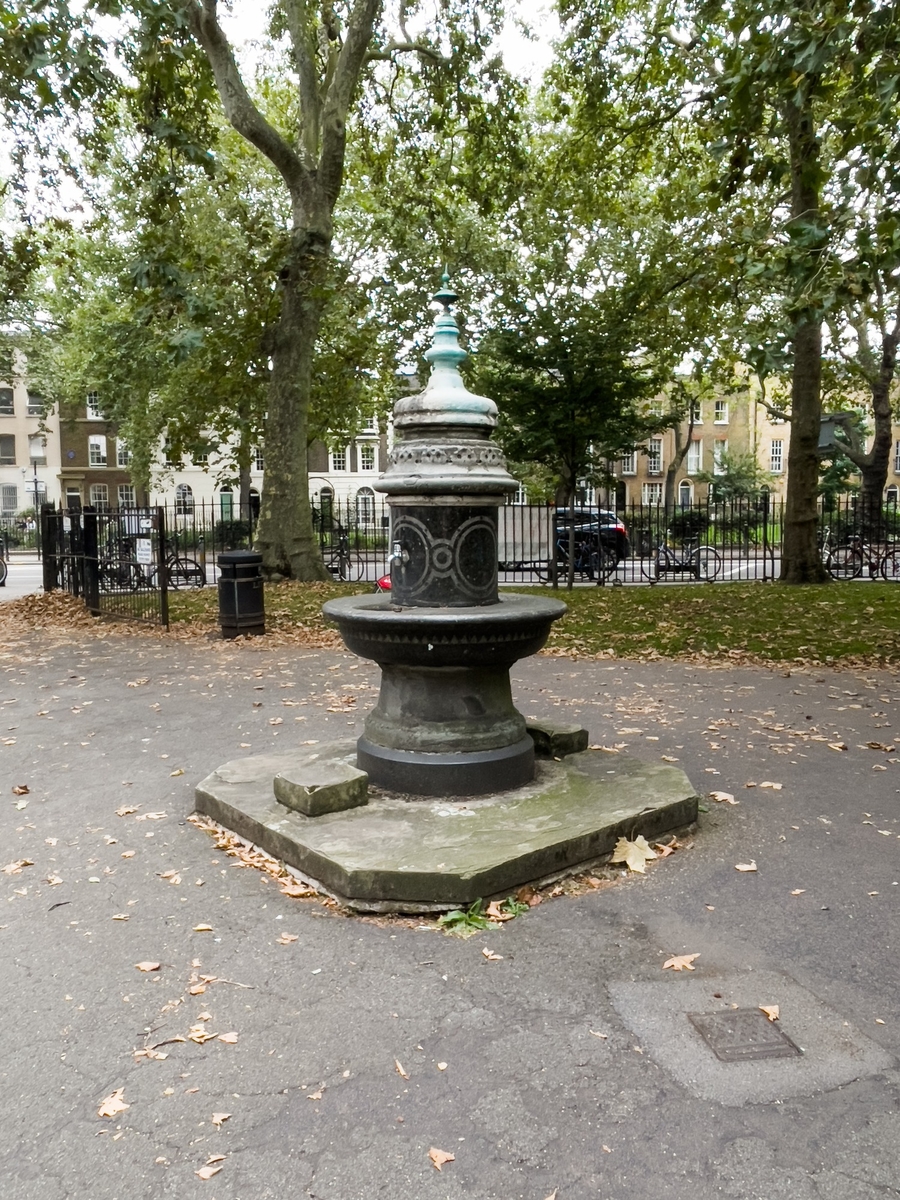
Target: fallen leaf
{"type": "Point", "coordinates": [179, 771]}
{"type": "Point", "coordinates": [723, 798]}
{"type": "Point", "coordinates": [119, 917]}
{"type": "Point", "coordinates": [113, 1104]}
{"type": "Point", "coordinates": [680, 962]}
{"type": "Point", "coordinates": [776, 787]}
{"type": "Point", "coordinates": [14, 868]}
{"type": "Point", "coordinates": [552, 1195]}
{"type": "Point", "coordinates": [207, 1172]}
{"type": "Point", "coordinates": [296, 889]}
{"type": "Point", "coordinates": [878, 1021]}
{"type": "Point", "coordinates": [219, 1119]}
{"type": "Point", "coordinates": [21, 789]}
{"type": "Point", "coordinates": [147, 966]}
{"type": "Point", "coordinates": [54, 880]}
{"type": "Point", "coordinates": [286, 939]}
{"type": "Point", "coordinates": [151, 816]}
{"type": "Point", "coordinates": [634, 854]}
{"type": "Point", "coordinates": [750, 866]}
{"type": "Point", "coordinates": [594, 1033]}
{"type": "Point", "coordinates": [317, 1095]}
{"type": "Point", "coordinates": [126, 810]}
{"type": "Point", "coordinates": [442, 1066]}
{"type": "Point", "coordinates": [203, 929]}
{"type": "Point", "coordinates": [495, 913]}
{"type": "Point", "coordinates": [870, 745]}
{"type": "Point", "coordinates": [837, 745]}
{"type": "Point", "coordinates": [606, 1149]}
{"type": "Point", "coordinates": [197, 989]}
{"type": "Point", "coordinates": [491, 956]}
{"type": "Point", "coordinates": [527, 895]}
{"type": "Point", "coordinates": [398, 1067]}
{"type": "Point", "coordinates": [798, 891]}
{"type": "Point", "coordinates": [668, 758]}
{"type": "Point", "coordinates": [439, 1157]}
{"type": "Point", "coordinates": [229, 1038]}
{"type": "Point", "coordinates": [129, 853]}
{"type": "Point", "coordinates": [771, 1011]}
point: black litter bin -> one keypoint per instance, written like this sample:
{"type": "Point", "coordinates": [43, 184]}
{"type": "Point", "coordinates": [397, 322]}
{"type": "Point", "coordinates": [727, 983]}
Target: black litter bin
{"type": "Point", "coordinates": [241, 604]}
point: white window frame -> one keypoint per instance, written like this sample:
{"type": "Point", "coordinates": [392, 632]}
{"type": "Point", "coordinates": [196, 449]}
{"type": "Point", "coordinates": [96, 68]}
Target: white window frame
{"type": "Point", "coordinates": [776, 456]}
{"type": "Point", "coordinates": [9, 460]}
{"type": "Point", "coordinates": [696, 412]}
{"type": "Point", "coordinates": [37, 443]}
{"type": "Point", "coordinates": [694, 459]}
{"type": "Point", "coordinates": [92, 406]}
{"type": "Point", "coordinates": [892, 494]}
{"type": "Point", "coordinates": [7, 406]}
{"type": "Point", "coordinates": [126, 495]}
{"type": "Point", "coordinates": [897, 458]}
{"type": "Point", "coordinates": [259, 459]}
{"type": "Point", "coordinates": [9, 499]}
{"type": "Point", "coordinates": [655, 456]}
{"type": "Point", "coordinates": [338, 460]}
{"type": "Point", "coordinates": [365, 447]}
{"type": "Point", "coordinates": [720, 447]}
{"type": "Point", "coordinates": [628, 463]}
{"type": "Point", "coordinates": [651, 493]}
{"type": "Point", "coordinates": [99, 496]}
{"type": "Point", "coordinates": [97, 450]}
{"type": "Point", "coordinates": [184, 500]}
{"type": "Point", "coordinates": [123, 454]}
{"type": "Point", "coordinates": [721, 412]}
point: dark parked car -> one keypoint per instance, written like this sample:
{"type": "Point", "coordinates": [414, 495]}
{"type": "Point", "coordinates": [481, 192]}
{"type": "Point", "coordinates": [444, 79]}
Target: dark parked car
{"type": "Point", "coordinates": [591, 524]}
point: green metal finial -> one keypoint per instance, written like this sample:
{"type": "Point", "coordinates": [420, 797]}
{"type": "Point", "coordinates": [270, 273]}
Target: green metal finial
{"type": "Point", "coordinates": [446, 295]}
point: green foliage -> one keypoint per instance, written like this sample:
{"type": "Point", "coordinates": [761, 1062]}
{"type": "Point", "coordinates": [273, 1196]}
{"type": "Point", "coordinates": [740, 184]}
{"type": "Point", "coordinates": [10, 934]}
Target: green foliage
{"type": "Point", "coordinates": [465, 922]}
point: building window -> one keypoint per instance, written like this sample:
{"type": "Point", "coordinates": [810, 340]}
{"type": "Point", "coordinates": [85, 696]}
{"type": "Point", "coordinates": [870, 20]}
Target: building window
{"type": "Point", "coordinates": [776, 456]}
{"type": "Point", "coordinates": [654, 456]}
{"type": "Point", "coordinates": [184, 500]}
{"type": "Point", "coordinates": [339, 460]}
{"type": "Point", "coordinates": [226, 503]}
{"type": "Point", "coordinates": [890, 496]}
{"type": "Point", "coordinates": [99, 496]}
{"type": "Point", "coordinates": [628, 463]}
{"type": "Point", "coordinates": [259, 459]}
{"type": "Point", "coordinates": [97, 451]}
{"type": "Point", "coordinates": [93, 406]}
{"type": "Point", "coordinates": [521, 496]}
{"type": "Point", "coordinates": [696, 413]}
{"type": "Point", "coordinates": [7, 408]}
{"type": "Point", "coordinates": [365, 506]}
{"type": "Point", "coordinates": [126, 495]}
{"type": "Point", "coordinates": [366, 457]}
{"type": "Point", "coordinates": [721, 412]}
{"type": "Point", "coordinates": [73, 499]}
{"type": "Point", "coordinates": [9, 499]}
{"type": "Point", "coordinates": [7, 450]}
{"type": "Point", "coordinates": [695, 457]}
{"type": "Point", "coordinates": [123, 454]}
{"type": "Point", "coordinates": [35, 406]}
{"type": "Point", "coordinates": [200, 458]}
{"type": "Point", "coordinates": [37, 450]}
{"type": "Point", "coordinates": [651, 493]}
{"type": "Point", "coordinates": [720, 449]}
{"type": "Point", "coordinates": [897, 458]}
{"type": "Point", "coordinates": [370, 425]}
{"type": "Point", "coordinates": [684, 494]}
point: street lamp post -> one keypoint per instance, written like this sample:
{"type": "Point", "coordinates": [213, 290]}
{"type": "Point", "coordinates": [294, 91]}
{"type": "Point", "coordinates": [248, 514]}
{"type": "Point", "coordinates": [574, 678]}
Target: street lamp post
{"type": "Point", "coordinates": [37, 511]}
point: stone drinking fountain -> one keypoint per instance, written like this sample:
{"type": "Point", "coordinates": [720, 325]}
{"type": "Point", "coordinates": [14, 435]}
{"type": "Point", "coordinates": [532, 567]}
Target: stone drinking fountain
{"type": "Point", "coordinates": [449, 795]}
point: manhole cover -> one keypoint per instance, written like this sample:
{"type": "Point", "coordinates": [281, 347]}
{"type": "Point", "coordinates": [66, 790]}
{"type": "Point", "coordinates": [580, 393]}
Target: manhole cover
{"type": "Point", "coordinates": [742, 1035]}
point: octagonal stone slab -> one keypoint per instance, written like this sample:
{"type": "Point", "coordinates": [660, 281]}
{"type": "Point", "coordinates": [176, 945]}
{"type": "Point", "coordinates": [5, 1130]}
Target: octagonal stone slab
{"type": "Point", "coordinates": [404, 854]}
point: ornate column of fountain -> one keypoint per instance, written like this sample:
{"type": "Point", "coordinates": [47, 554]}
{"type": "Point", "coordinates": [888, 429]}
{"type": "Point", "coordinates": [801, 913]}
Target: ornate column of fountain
{"type": "Point", "coordinates": [445, 639]}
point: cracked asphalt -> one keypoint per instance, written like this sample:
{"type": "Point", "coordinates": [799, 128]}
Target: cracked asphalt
{"type": "Point", "coordinates": [547, 1088]}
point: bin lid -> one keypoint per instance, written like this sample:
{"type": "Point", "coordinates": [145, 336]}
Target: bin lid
{"type": "Point", "coordinates": [244, 557]}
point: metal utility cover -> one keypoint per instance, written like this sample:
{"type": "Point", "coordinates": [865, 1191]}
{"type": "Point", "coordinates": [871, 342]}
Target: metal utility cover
{"type": "Point", "coordinates": [742, 1035]}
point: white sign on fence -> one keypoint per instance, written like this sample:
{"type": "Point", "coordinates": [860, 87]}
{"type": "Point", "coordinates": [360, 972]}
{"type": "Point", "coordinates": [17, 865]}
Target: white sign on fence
{"type": "Point", "coordinates": [143, 550]}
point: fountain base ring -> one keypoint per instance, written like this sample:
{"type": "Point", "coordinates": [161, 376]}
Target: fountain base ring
{"type": "Point", "coordinates": [456, 774]}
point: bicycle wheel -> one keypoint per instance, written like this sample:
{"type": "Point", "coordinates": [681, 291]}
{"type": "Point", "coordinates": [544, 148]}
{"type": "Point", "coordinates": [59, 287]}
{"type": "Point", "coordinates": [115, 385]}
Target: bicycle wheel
{"type": "Point", "coordinates": [603, 562]}
{"type": "Point", "coordinates": [706, 563]}
{"type": "Point", "coordinates": [355, 568]}
{"type": "Point", "coordinates": [3, 570]}
{"type": "Point", "coordinates": [890, 566]}
{"type": "Point", "coordinates": [119, 577]}
{"type": "Point", "coordinates": [654, 564]}
{"type": "Point", "coordinates": [185, 573]}
{"type": "Point", "coordinates": [844, 562]}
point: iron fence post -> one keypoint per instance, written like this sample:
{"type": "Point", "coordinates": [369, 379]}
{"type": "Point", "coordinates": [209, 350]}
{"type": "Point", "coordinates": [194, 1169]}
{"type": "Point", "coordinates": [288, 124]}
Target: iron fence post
{"type": "Point", "coordinates": [91, 561]}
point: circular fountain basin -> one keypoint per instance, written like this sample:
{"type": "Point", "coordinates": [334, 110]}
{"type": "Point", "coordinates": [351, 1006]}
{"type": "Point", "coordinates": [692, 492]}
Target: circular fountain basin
{"type": "Point", "coordinates": [491, 635]}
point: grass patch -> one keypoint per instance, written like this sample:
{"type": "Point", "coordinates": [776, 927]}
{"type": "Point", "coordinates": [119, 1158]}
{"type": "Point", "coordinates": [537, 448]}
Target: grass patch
{"type": "Point", "coordinates": [840, 622]}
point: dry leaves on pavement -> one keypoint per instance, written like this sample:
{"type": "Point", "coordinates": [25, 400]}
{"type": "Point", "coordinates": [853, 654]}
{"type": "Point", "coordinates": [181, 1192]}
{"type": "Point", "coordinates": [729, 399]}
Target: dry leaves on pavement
{"type": "Point", "coordinates": [680, 962]}
{"type": "Point", "coordinates": [490, 955]}
{"type": "Point", "coordinates": [771, 1011]}
{"type": "Point", "coordinates": [439, 1157]}
{"type": "Point", "coordinates": [750, 866]}
{"type": "Point", "coordinates": [634, 854]}
{"type": "Point", "coordinates": [147, 966]}
{"type": "Point", "coordinates": [113, 1104]}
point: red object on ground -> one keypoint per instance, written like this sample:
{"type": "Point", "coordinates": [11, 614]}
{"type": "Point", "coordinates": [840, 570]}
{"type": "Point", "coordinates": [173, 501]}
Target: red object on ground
{"type": "Point", "coordinates": [384, 583]}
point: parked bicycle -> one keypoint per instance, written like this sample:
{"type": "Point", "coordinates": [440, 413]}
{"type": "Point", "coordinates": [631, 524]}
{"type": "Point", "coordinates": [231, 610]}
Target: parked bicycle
{"type": "Point", "coordinates": [851, 558]}
{"type": "Point", "coordinates": [120, 571]}
{"type": "Point", "coordinates": [592, 558]}
{"type": "Point", "coordinates": [691, 558]}
{"type": "Point", "coordinates": [339, 560]}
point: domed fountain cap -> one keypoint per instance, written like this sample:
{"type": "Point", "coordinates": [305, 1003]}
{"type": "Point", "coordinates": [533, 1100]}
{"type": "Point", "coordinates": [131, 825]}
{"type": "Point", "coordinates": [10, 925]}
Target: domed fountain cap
{"type": "Point", "coordinates": [446, 400]}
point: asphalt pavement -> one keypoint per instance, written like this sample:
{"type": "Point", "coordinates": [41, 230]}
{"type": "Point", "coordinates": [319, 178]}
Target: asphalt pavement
{"type": "Point", "coordinates": [561, 1063]}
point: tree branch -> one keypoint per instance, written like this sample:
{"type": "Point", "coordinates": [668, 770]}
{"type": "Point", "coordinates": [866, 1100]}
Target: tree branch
{"type": "Point", "coordinates": [240, 110]}
{"type": "Point", "coordinates": [297, 16]}
{"type": "Point", "coordinates": [340, 93]}
{"type": "Point", "coordinates": [392, 48]}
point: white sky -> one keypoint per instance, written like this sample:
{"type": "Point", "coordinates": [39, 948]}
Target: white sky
{"type": "Point", "coordinates": [244, 21]}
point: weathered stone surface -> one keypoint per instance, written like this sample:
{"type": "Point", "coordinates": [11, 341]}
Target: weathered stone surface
{"type": "Point", "coordinates": [556, 741]}
{"type": "Point", "coordinates": [324, 786]}
{"type": "Point", "coordinates": [401, 855]}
